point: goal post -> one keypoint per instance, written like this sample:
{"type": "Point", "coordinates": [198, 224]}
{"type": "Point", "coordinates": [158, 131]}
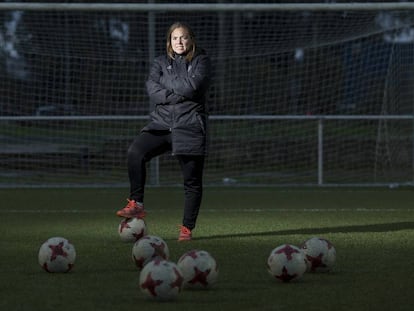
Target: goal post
{"type": "Point", "coordinates": [313, 94]}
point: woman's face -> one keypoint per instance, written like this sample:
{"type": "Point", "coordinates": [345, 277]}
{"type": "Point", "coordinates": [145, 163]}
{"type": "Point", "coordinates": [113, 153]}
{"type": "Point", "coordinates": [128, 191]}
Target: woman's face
{"type": "Point", "coordinates": [180, 41]}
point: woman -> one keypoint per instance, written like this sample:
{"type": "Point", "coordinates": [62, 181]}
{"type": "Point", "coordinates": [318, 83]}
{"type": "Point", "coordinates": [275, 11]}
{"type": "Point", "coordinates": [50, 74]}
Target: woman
{"type": "Point", "coordinates": [177, 86]}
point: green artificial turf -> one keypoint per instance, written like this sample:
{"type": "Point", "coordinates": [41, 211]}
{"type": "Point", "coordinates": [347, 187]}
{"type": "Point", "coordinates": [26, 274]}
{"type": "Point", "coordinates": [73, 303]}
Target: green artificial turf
{"type": "Point", "coordinates": [372, 230]}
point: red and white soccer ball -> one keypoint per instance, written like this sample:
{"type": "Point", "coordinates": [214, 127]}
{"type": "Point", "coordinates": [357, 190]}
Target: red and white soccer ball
{"type": "Point", "coordinates": [57, 254]}
{"type": "Point", "coordinates": [161, 280]}
{"type": "Point", "coordinates": [286, 263]}
{"type": "Point", "coordinates": [148, 248]}
{"type": "Point", "coordinates": [132, 229]}
{"type": "Point", "coordinates": [320, 254]}
{"type": "Point", "coordinates": [199, 268]}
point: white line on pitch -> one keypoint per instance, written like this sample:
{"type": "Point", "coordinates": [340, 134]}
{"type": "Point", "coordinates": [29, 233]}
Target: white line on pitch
{"type": "Point", "coordinates": [255, 210]}
{"type": "Point", "coordinates": [315, 210]}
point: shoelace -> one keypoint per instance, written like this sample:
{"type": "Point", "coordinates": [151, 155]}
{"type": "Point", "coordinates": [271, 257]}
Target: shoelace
{"type": "Point", "coordinates": [131, 203]}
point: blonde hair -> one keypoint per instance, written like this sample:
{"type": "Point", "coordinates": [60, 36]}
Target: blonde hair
{"type": "Point", "coordinates": [189, 56]}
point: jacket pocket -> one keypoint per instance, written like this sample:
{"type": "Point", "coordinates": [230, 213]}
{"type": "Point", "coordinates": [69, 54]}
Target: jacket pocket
{"type": "Point", "coordinates": [202, 121]}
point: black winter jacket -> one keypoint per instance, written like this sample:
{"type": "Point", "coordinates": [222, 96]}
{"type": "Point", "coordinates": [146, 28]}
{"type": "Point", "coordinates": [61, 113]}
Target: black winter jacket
{"type": "Point", "coordinates": [177, 89]}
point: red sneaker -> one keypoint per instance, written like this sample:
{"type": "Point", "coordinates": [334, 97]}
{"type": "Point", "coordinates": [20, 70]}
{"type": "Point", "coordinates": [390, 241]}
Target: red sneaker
{"type": "Point", "coordinates": [132, 210]}
{"type": "Point", "coordinates": [185, 234]}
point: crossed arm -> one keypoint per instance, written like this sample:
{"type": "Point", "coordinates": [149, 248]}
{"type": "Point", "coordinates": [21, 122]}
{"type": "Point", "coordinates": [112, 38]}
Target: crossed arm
{"type": "Point", "coordinates": [180, 86]}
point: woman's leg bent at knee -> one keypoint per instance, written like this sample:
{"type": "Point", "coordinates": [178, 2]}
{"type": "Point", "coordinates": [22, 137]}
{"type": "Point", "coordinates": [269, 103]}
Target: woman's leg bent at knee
{"type": "Point", "coordinates": [144, 147]}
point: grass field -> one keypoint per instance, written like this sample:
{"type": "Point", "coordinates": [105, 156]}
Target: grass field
{"type": "Point", "coordinates": [372, 230]}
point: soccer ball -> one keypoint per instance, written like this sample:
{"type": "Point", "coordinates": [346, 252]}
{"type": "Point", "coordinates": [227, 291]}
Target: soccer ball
{"type": "Point", "coordinates": [320, 254]}
{"type": "Point", "coordinates": [199, 268]}
{"type": "Point", "coordinates": [161, 280]}
{"type": "Point", "coordinates": [57, 255]}
{"type": "Point", "coordinates": [286, 263]}
{"type": "Point", "coordinates": [132, 229]}
{"type": "Point", "coordinates": [148, 248]}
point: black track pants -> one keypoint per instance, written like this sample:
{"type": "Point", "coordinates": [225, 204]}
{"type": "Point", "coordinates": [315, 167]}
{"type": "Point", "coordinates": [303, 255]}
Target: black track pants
{"type": "Point", "coordinates": [151, 144]}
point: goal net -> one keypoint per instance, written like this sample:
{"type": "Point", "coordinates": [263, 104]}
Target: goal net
{"type": "Point", "coordinates": [300, 96]}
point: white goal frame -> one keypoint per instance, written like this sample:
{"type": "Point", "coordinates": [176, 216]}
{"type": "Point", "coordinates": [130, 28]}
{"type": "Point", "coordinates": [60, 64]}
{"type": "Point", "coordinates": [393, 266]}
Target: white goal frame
{"type": "Point", "coordinates": [222, 7]}
{"type": "Point", "coordinates": [205, 7]}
